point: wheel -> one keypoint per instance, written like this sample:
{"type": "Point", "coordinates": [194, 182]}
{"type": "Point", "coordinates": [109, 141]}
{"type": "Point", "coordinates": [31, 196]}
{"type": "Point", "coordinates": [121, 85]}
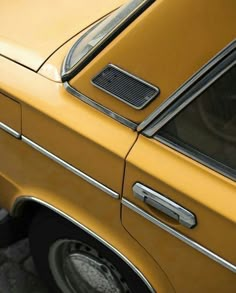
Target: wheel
{"type": "Point", "coordinates": [69, 260]}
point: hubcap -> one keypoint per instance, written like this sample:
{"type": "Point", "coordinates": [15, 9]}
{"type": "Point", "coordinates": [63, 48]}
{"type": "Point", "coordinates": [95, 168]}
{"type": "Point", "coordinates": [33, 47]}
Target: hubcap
{"type": "Point", "coordinates": [77, 267]}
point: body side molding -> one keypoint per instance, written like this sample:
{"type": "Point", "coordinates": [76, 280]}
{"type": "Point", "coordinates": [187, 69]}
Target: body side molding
{"type": "Point", "coordinates": [71, 168]}
{"type": "Point", "coordinates": [9, 130]}
{"type": "Point", "coordinates": [173, 232]}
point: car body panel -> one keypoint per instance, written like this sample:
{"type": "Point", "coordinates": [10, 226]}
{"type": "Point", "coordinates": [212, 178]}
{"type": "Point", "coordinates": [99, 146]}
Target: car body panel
{"type": "Point", "coordinates": [210, 196]}
{"type": "Point", "coordinates": [10, 113]}
{"type": "Point", "coordinates": [182, 45]}
{"type": "Point", "coordinates": [84, 163]}
{"type": "Point", "coordinates": [51, 68]}
{"type": "Point", "coordinates": [27, 173]}
{"type": "Point", "coordinates": [186, 268]}
{"type": "Point", "coordinates": [30, 32]}
{"type": "Point", "coordinates": [69, 128]}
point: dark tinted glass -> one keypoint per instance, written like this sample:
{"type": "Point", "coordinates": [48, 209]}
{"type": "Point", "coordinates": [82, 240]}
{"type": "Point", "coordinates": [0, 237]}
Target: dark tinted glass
{"type": "Point", "coordinates": [206, 128]}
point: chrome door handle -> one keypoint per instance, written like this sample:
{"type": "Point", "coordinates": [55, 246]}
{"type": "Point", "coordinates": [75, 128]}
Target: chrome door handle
{"type": "Point", "coordinates": [165, 205]}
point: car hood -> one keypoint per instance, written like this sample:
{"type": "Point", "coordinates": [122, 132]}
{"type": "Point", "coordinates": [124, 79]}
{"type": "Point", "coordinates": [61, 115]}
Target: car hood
{"type": "Point", "coordinates": [30, 31]}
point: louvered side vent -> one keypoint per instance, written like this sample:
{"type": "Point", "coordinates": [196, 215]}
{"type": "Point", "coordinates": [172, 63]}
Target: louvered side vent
{"type": "Point", "coordinates": [125, 87]}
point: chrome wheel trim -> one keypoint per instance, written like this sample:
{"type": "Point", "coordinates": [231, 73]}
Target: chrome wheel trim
{"type": "Point", "coordinates": [78, 268]}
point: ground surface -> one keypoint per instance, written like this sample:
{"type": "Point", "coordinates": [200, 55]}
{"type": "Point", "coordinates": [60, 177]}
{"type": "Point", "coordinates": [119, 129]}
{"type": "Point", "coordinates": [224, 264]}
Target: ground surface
{"type": "Point", "coordinates": [17, 272]}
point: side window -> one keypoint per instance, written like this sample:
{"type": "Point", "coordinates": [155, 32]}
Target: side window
{"type": "Point", "coordinates": [206, 128]}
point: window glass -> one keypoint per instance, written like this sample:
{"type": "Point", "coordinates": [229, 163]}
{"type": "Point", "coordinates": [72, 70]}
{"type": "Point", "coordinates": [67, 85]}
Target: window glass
{"type": "Point", "coordinates": [206, 128]}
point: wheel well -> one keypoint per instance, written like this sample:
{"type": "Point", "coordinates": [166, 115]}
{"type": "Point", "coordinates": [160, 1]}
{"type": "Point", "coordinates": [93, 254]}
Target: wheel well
{"type": "Point", "coordinates": [25, 211]}
{"type": "Point", "coordinates": [26, 208]}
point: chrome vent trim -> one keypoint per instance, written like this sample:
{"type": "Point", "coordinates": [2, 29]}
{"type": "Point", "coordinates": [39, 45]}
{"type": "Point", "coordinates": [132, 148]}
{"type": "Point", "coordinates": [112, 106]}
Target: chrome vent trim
{"type": "Point", "coordinates": [126, 87]}
{"type": "Point", "coordinates": [100, 107]}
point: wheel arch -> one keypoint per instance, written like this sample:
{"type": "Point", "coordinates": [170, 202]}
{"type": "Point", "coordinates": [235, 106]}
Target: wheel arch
{"type": "Point", "coordinates": [28, 206]}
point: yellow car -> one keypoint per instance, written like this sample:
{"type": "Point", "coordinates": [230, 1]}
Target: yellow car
{"type": "Point", "coordinates": [118, 142]}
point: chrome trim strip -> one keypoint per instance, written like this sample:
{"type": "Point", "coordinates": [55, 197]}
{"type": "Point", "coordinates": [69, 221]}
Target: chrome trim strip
{"type": "Point", "coordinates": [200, 157]}
{"type": "Point", "coordinates": [132, 76]}
{"type": "Point", "coordinates": [221, 55]}
{"type": "Point", "coordinates": [100, 107]}
{"type": "Point", "coordinates": [71, 168]}
{"type": "Point", "coordinates": [9, 130]}
{"type": "Point", "coordinates": [180, 236]}
{"type": "Point", "coordinates": [188, 97]}
{"type": "Point", "coordinates": [21, 200]}
{"type": "Point", "coordinates": [175, 109]}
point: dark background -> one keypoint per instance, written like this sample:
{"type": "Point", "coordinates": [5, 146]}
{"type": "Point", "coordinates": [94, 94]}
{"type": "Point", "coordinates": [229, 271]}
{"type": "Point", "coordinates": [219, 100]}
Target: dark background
{"type": "Point", "coordinates": [17, 271]}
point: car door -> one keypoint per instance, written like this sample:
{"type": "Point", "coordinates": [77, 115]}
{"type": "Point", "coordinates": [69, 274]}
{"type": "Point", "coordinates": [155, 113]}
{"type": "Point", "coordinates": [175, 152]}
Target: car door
{"type": "Point", "coordinates": [179, 198]}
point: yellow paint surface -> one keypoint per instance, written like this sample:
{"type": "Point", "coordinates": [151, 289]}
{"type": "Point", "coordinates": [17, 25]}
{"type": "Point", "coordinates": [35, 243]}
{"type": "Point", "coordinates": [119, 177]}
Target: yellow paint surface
{"type": "Point", "coordinates": [165, 46]}
{"type": "Point", "coordinates": [30, 31]}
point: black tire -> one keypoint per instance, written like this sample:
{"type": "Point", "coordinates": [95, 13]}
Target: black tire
{"type": "Point", "coordinates": [49, 230]}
